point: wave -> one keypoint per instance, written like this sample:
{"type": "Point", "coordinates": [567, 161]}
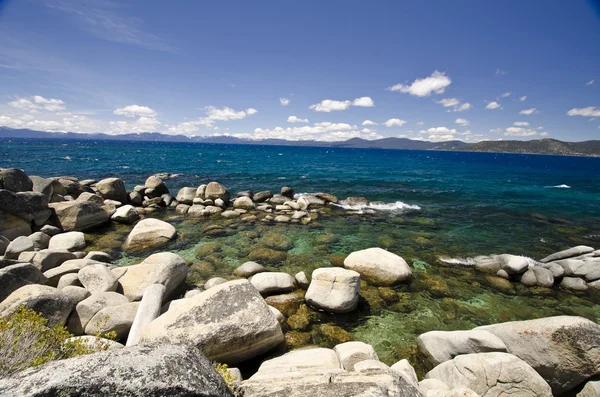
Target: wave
{"type": "Point", "coordinates": [396, 207]}
{"type": "Point", "coordinates": [563, 186]}
{"type": "Point", "coordinates": [458, 261]}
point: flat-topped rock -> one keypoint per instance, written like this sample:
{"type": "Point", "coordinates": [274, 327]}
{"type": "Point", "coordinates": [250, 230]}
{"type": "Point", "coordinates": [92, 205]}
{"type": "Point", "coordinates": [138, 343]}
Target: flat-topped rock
{"type": "Point", "coordinates": [18, 245]}
{"type": "Point", "coordinates": [334, 289]}
{"type": "Point", "coordinates": [70, 241]}
{"type": "Point", "coordinates": [441, 346]}
{"type": "Point", "coordinates": [149, 233]}
{"type": "Point", "coordinates": [249, 269]}
{"type": "Point", "coordinates": [273, 282]}
{"type": "Point", "coordinates": [79, 216]}
{"type": "Point", "coordinates": [97, 278]}
{"type": "Point", "coordinates": [350, 353]}
{"type": "Point", "coordinates": [568, 253]}
{"type": "Point", "coordinates": [378, 266]}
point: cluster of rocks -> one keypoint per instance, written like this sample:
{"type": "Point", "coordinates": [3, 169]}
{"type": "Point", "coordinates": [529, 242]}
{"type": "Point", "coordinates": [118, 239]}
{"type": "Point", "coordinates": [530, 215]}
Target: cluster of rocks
{"type": "Point", "coordinates": [575, 269]}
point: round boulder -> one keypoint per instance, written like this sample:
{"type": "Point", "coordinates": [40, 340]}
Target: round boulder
{"type": "Point", "coordinates": [112, 189]}
{"type": "Point", "coordinates": [334, 289]}
{"type": "Point", "coordinates": [149, 233]}
{"type": "Point", "coordinates": [378, 266]}
{"type": "Point", "coordinates": [214, 191]}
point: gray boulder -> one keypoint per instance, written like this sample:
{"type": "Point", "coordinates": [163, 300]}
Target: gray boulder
{"type": "Point", "coordinates": [230, 323]}
{"type": "Point", "coordinates": [568, 253]}
{"type": "Point", "coordinates": [16, 275]}
{"type": "Point", "coordinates": [71, 266]}
{"type": "Point", "coordinates": [38, 204]}
{"type": "Point", "coordinates": [118, 319]}
{"type": "Point", "coordinates": [441, 346]}
{"type": "Point", "coordinates": [12, 226]}
{"type": "Point", "coordinates": [334, 289]}
{"type": "Point", "coordinates": [273, 282]}
{"type": "Point", "coordinates": [15, 180]}
{"type": "Point", "coordinates": [79, 216]}
{"type": "Point", "coordinates": [91, 197]}
{"type": "Point", "coordinates": [249, 269]}
{"type": "Point", "coordinates": [491, 375]}
{"type": "Point", "coordinates": [112, 189]}
{"type": "Point", "coordinates": [48, 259]}
{"type": "Point", "coordinates": [149, 233]}
{"type": "Point", "coordinates": [214, 191]}
{"type": "Point", "coordinates": [18, 245]}
{"type": "Point", "coordinates": [163, 268]}
{"type": "Point", "coordinates": [70, 241]}
{"type": "Point", "coordinates": [244, 203]}
{"type": "Point", "coordinates": [186, 195]}
{"type": "Point", "coordinates": [125, 214]}
{"type": "Point", "coordinates": [574, 283]}
{"type": "Point", "coordinates": [87, 308]}
{"type": "Point", "coordinates": [40, 240]}
{"type": "Point", "coordinates": [350, 353]}
{"type": "Point", "coordinates": [261, 197]}
{"type": "Point", "coordinates": [514, 264]}
{"type": "Point", "coordinates": [97, 278]}
{"type": "Point", "coordinates": [564, 350]}
{"type": "Point", "coordinates": [68, 280]}
{"type": "Point", "coordinates": [76, 294]}
{"type": "Point", "coordinates": [162, 370]}
{"type": "Point", "coordinates": [148, 310]}
{"type": "Point", "coordinates": [155, 187]}
{"type": "Point", "coordinates": [49, 301]}
{"type": "Point", "coordinates": [378, 266]}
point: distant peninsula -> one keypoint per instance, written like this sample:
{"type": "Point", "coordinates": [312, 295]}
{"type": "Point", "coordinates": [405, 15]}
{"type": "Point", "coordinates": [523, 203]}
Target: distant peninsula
{"type": "Point", "coordinates": [537, 146]}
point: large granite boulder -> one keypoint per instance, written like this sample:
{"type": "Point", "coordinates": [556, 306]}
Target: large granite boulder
{"type": "Point", "coordinates": [149, 233]}
{"type": "Point", "coordinates": [49, 301]}
{"type": "Point", "coordinates": [273, 282]}
{"type": "Point", "coordinates": [125, 214]}
{"type": "Point", "coordinates": [186, 195]}
{"type": "Point", "coordinates": [79, 216]}
{"type": "Point", "coordinates": [112, 189]}
{"type": "Point", "coordinates": [14, 275]}
{"type": "Point", "coordinates": [87, 308]}
{"type": "Point", "coordinates": [163, 268]}
{"type": "Point", "coordinates": [49, 187]}
{"type": "Point", "coordinates": [441, 346]}
{"type": "Point", "coordinates": [491, 375]}
{"type": "Point", "coordinates": [15, 180]}
{"type": "Point", "coordinates": [334, 289]}
{"type": "Point", "coordinates": [230, 323]}
{"type": "Point", "coordinates": [12, 226]}
{"type": "Point", "coordinates": [244, 203]}
{"type": "Point", "coordinates": [97, 278]}
{"type": "Point", "coordinates": [71, 266]}
{"type": "Point", "coordinates": [138, 371]}
{"type": "Point", "coordinates": [18, 245]}
{"type": "Point", "coordinates": [214, 191]}
{"type": "Point", "coordinates": [117, 319]}
{"type": "Point", "coordinates": [38, 204]}
{"type": "Point", "coordinates": [568, 253]}
{"type": "Point", "coordinates": [564, 350]}
{"type": "Point", "coordinates": [155, 187]}
{"type": "Point", "coordinates": [70, 241]}
{"type": "Point", "coordinates": [378, 266]}
{"type": "Point", "coordinates": [48, 259]}
{"type": "Point", "coordinates": [12, 203]}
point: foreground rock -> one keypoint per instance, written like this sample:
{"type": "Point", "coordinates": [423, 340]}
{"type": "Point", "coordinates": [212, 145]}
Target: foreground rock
{"type": "Point", "coordinates": [491, 375]}
{"type": "Point", "coordinates": [564, 350]}
{"type": "Point", "coordinates": [149, 233]}
{"type": "Point", "coordinates": [48, 301]}
{"type": "Point", "coordinates": [165, 370]}
{"type": "Point", "coordinates": [230, 323]}
{"type": "Point", "coordinates": [334, 289]}
{"type": "Point", "coordinates": [79, 215]}
{"type": "Point", "coordinates": [148, 311]}
{"type": "Point", "coordinates": [163, 268]}
{"type": "Point", "coordinates": [16, 275]}
{"type": "Point", "coordinates": [379, 266]}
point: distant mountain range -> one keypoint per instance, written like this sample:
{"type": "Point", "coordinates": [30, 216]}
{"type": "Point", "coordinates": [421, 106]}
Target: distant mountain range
{"type": "Point", "coordinates": [538, 146]}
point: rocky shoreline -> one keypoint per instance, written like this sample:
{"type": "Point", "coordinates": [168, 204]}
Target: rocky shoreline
{"type": "Point", "coordinates": [164, 325]}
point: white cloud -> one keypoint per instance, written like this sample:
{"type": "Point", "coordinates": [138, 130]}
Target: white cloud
{"type": "Point", "coordinates": [284, 101]}
{"type": "Point", "coordinates": [590, 111]}
{"type": "Point", "coordinates": [505, 95]}
{"type": "Point", "coordinates": [439, 130]}
{"type": "Point", "coordinates": [590, 82]}
{"type": "Point", "coordinates": [10, 122]}
{"type": "Point", "coordinates": [23, 104]}
{"type": "Point", "coordinates": [528, 111]}
{"type": "Point", "coordinates": [436, 83]}
{"type": "Point", "coordinates": [521, 123]}
{"type": "Point", "coordinates": [500, 72]}
{"type": "Point", "coordinates": [395, 123]}
{"type": "Point", "coordinates": [37, 102]}
{"type": "Point", "coordinates": [135, 111]}
{"type": "Point", "coordinates": [522, 99]}
{"type": "Point", "coordinates": [448, 102]}
{"type": "Point", "coordinates": [420, 123]}
{"type": "Point", "coordinates": [294, 119]}
{"type": "Point", "coordinates": [369, 122]}
{"type": "Point", "coordinates": [143, 124]}
{"type": "Point", "coordinates": [441, 138]}
{"type": "Point", "coordinates": [454, 104]}
{"type": "Point", "coordinates": [185, 128]}
{"type": "Point", "coordinates": [492, 105]}
{"type": "Point", "coordinates": [223, 114]}
{"type": "Point", "coordinates": [324, 131]}
{"type": "Point", "coordinates": [462, 122]}
{"type": "Point", "coordinates": [365, 102]}
{"type": "Point", "coordinates": [544, 134]}
{"type": "Point", "coordinates": [518, 131]}
{"type": "Point", "coordinates": [464, 106]}
{"type": "Point", "coordinates": [330, 105]}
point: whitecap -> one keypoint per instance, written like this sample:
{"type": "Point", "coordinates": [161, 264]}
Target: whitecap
{"type": "Point", "coordinates": [458, 261]}
{"type": "Point", "coordinates": [396, 207]}
{"type": "Point", "coordinates": [67, 158]}
{"type": "Point", "coordinates": [563, 186]}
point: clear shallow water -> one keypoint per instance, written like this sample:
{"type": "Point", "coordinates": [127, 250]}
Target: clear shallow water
{"type": "Point", "coordinates": [471, 204]}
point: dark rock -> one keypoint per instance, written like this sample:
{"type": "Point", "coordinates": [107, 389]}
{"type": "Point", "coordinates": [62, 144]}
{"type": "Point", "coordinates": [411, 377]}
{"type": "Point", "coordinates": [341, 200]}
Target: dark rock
{"type": "Point", "coordinates": [288, 192]}
{"type": "Point", "coordinates": [16, 275]}
{"type": "Point", "coordinates": [15, 180]}
{"type": "Point", "coordinates": [79, 216]}
{"type": "Point", "coordinates": [262, 196]}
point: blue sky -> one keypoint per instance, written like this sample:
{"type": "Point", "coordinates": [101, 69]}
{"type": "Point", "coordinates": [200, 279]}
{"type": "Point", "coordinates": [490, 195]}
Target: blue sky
{"type": "Point", "coordinates": [433, 70]}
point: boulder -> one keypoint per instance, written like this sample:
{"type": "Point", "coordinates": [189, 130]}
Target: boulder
{"type": "Point", "coordinates": [79, 216]}
{"type": "Point", "coordinates": [273, 283]}
{"type": "Point", "coordinates": [50, 230]}
{"type": "Point", "coordinates": [328, 198]}
{"type": "Point", "coordinates": [230, 323]}
{"type": "Point", "coordinates": [244, 203]}
{"type": "Point", "coordinates": [87, 308]}
{"type": "Point", "coordinates": [543, 277]}
{"type": "Point", "coordinates": [200, 192]}
{"type": "Point", "coordinates": [26, 256]}
{"type": "Point", "coordinates": [116, 319]}
{"type": "Point", "coordinates": [12, 203]}
{"type": "Point", "coordinates": [155, 187]}
{"type": "Point", "coordinates": [49, 301]}
{"type": "Point", "coordinates": [15, 180]}
{"type": "Point", "coordinates": [182, 209]}
{"type": "Point", "coordinates": [149, 233]}
{"type": "Point", "coordinates": [287, 191]}
{"type": "Point", "coordinates": [442, 346]}
{"type": "Point", "coordinates": [261, 197]}
{"type": "Point", "coordinates": [350, 353]}
{"type": "Point", "coordinates": [230, 214]}
{"type": "Point", "coordinates": [564, 350]}
{"type": "Point", "coordinates": [302, 281]}
{"type": "Point", "coordinates": [12, 226]}
{"type": "Point", "coordinates": [334, 289]}
{"type": "Point", "coordinates": [591, 389]}
{"type": "Point", "coordinates": [17, 275]}
{"type": "Point", "coordinates": [162, 370]}
{"type": "Point", "coordinates": [568, 253]}
{"type": "Point", "coordinates": [76, 294]}
{"type": "Point", "coordinates": [40, 240]}
{"type": "Point", "coordinates": [186, 195]}
{"type": "Point", "coordinates": [71, 279]}
{"type": "Point", "coordinates": [38, 204]}
{"type": "Point", "coordinates": [99, 256]}
{"type": "Point", "coordinates": [378, 266]}
{"type": "Point", "coordinates": [163, 268]}
{"type": "Point", "coordinates": [97, 278]}
{"type": "Point", "coordinates": [125, 214]}
{"type": "Point", "coordinates": [491, 375]}
{"type": "Point", "coordinates": [96, 343]}
{"type": "Point", "coordinates": [70, 241]}
{"type": "Point", "coordinates": [405, 370]}
{"type": "Point", "coordinates": [514, 264]}
{"type": "Point", "coordinates": [91, 197]}
{"type": "Point", "coordinates": [134, 198]}
{"type": "Point", "coordinates": [48, 259]}
{"type": "Point", "coordinates": [48, 187]}
{"type": "Point", "coordinates": [18, 245]}
{"type": "Point", "coordinates": [213, 282]}
{"type": "Point", "coordinates": [70, 266]}
{"type": "Point", "coordinates": [112, 189]}
{"type": "Point", "coordinates": [148, 310]}
{"type": "Point", "coordinates": [574, 283]}
{"type": "Point", "coordinates": [214, 191]}
{"type": "Point", "coordinates": [249, 269]}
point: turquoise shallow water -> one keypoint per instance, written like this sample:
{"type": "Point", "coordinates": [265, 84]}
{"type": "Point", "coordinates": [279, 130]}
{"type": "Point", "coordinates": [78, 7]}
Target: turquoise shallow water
{"type": "Point", "coordinates": [470, 204]}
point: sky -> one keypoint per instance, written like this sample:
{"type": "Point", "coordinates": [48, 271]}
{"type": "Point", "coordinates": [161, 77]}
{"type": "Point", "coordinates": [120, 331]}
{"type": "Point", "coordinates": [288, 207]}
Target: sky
{"type": "Point", "coordinates": [324, 70]}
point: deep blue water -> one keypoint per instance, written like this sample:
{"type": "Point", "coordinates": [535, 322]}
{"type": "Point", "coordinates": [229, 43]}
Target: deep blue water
{"type": "Point", "coordinates": [480, 200]}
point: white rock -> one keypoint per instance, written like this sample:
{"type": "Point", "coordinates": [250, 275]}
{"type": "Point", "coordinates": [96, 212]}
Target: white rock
{"type": "Point", "coordinates": [378, 266]}
{"type": "Point", "coordinates": [70, 241]}
{"type": "Point", "coordinates": [125, 214]}
{"type": "Point", "coordinates": [97, 278]}
{"type": "Point", "coordinates": [350, 353]}
{"type": "Point", "coordinates": [273, 283]}
{"type": "Point", "coordinates": [149, 233]}
{"type": "Point", "coordinates": [441, 346]}
{"type": "Point", "coordinates": [148, 310]}
{"type": "Point", "coordinates": [334, 289]}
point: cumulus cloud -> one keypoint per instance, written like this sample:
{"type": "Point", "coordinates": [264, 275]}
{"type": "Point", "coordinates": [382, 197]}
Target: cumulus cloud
{"type": "Point", "coordinates": [436, 83]}
{"type": "Point", "coordinates": [448, 102]}
{"type": "Point", "coordinates": [521, 123]}
{"type": "Point", "coordinates": [37, 103]}
{"type": "Point", "coordinates": [528, 111]}
{"type": "Point", "coordinates": [438, 130]}
{"type": "Point", "coordinates": [323, 131]}
{"type": "Point", "coordinates": [395, 123]}
{"type": "Point", "coordinates": [224, 114]}
{"type": "Point", "coordinates": [454, 105]}
{"type": "Point", "coordinates": [143, 124]}
{"type": "Point", "coordinates": [519, 131]}
{"type": "Point", "coordinates": [284, 101]}
{"type": "Point", "coordinates": [590, 111]}
{"type": "Point", "coordinates": [294, 119]}
{"type": "Point", "coordinates": [135, 111]}
{"type": "Point", "coordinates": [492, 105]}
{"type": "Point", "coordinates": [369, 122]}
{"type": "Point", "coordinates": [462, 122]}
{"type": "Point", "coordinates": [330, 105]}
{"type": "Point", "coordinates": [522, 99]}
